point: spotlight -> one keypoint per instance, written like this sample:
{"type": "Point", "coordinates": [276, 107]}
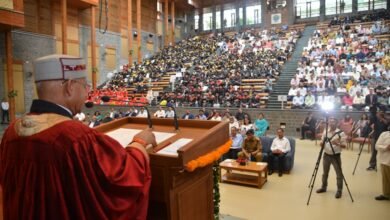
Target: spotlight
{"type": "Point", "coordinates": [327, 106]}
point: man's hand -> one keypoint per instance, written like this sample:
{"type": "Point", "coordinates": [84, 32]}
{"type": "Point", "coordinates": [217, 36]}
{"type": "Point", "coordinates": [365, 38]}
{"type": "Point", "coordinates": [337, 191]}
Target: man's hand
{"type": "Point", "coordinates": [147, 136]}
{"type": "Point", "coordinates": [277, 151]}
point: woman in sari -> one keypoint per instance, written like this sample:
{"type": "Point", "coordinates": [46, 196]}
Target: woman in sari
{"type": "Point", "coordinates": [261, 125]}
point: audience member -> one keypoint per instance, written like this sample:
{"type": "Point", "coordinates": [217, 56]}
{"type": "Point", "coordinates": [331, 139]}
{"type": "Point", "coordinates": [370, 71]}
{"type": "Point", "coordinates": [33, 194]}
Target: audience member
{"type": "Point", "coordinates": [279, 148]}
{"type": "Point", "coordinates": [251, 147]}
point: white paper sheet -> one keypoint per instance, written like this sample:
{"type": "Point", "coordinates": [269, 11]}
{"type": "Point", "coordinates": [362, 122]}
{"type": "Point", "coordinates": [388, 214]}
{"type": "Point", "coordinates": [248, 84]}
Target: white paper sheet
{"type": "Point", "coordinates": [125, 135]}
{"type": "Point", "coordinates": [172, 148]}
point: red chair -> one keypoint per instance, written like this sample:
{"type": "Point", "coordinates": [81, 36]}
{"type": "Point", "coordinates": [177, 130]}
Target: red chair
{"type": "Point", "coordinates": [361, 140]}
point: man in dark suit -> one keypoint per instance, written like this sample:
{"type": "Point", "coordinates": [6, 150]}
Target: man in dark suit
{"type": "Point", "coordinates": [94, 122]}
{"type": "Point", "coordinates": [309, 124]}
{"type": "Point", "coordinates": [371, 100]}
{"type": "Point", "coordinates": [188, 115]}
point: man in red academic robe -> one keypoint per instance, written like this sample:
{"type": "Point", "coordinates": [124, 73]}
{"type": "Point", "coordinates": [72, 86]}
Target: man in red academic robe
{"type": "Point", "coordinates": [52, 167]}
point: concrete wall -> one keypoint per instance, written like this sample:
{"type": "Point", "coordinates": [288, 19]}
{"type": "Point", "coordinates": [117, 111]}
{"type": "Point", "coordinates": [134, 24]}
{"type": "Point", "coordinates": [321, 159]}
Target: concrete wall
{"type": "Point", "coordinates": [292, 118]}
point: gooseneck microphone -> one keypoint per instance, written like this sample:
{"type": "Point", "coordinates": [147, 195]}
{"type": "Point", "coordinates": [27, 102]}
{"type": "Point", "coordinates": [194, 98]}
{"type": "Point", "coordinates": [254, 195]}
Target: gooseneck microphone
{"type": "Point", "coordinates": [175, 121]}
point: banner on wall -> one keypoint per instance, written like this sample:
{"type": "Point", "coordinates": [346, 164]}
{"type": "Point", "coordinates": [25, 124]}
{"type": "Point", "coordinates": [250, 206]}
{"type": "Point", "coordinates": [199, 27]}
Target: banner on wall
{"type": "Point", "coordinates": [9, 4]}
{"type": "Point", "coordinates": [276, 18]}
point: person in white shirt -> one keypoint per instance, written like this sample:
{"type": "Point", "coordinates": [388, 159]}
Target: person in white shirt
{"type": "Point", "coordinates": [169, 113]}
{"type": "Point", "coordinates": [383, 148]}
{"type": "Point", "coordinates": [235, 148]}
{"type": "Point", "coordinates": [358, 101]}
{"type": "Point", "coordinates": [293, 91]}
{"type": "Point", "coordinates": [112, 113]}
{"type": "Point", "coordinates": [216, 117]}
{"type": "Point", "coordinates": [142, 113]}
{"type": "Point", "coordinates": [233, 123]}
{"type": "Point", "coordinates": [4, 110]}
{"type": "Point", "coordinates": [80, 116]}
{"type": "Point", "coordinates": [332, 156]}
{"type": "Point", "coordinates": [298, 101]}
{"type": "Point", "coordinates": [160, 113]}
{"type": "Point", "coordinates": [279, 148]}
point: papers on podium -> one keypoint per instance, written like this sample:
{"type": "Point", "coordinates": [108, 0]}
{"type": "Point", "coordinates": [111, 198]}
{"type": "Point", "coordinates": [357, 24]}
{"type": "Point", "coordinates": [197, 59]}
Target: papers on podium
{"type": "Point", "coordinates": [171, 149]}
{"type": "Point", "coordinates": [125, 135]}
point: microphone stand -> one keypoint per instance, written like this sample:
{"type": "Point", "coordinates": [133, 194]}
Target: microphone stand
{"type": "Point", "coordinates": [175, 122]}
{"type": "Point", "coordinates": [148, 117]}
{"type": "Point", "coordinates": [360, 151]}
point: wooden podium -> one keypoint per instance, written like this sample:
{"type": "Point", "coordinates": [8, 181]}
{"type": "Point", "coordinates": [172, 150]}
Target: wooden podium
{"type": "Point", "coordinates": [174, 192]}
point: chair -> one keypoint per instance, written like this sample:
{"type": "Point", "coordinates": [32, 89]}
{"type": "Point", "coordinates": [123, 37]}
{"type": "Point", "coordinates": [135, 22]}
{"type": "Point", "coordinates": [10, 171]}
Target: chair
{"type": "Point", "coordinates": [348, 130]}
{"type": "Point", "coordinates": [360, 140]}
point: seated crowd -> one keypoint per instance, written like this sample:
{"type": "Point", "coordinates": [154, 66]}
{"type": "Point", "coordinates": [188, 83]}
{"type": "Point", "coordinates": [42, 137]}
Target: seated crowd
{"type": "Point", "coordinates": [347, 67]}
{"type": "Point", "coordinates": [209, 71]}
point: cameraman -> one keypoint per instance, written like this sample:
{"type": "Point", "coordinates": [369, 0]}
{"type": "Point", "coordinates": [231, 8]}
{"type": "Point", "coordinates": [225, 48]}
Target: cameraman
{"type": "Point", "coordinates": [332, 156]}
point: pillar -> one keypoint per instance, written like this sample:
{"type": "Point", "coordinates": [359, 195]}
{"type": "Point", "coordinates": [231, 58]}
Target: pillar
{"type": "Point", "coordinates": [10, 76]}
{"type": "Point", "coordinates": [64, 27]}
{"type": "Point", "coordinates": [322, 10]}
{"type": "Point", "coordinates": [130, 31]}
{"type": "Point", "coordinates": [244, 14]}
{"type": "Point", "coordinates": [93, 47]}
{"type": "Point", "coordinates": [166, 32]}
{"type": "Point", "coordinates": [237, 15]}
{"type": "Point", "coordinates": [214, 11]}
{"type": "Point", "coordinates": [139, 31]}
{"type": "Point", "coordinates": [222, 19]}
{"type": "Point", "coordinates": [173, 22]}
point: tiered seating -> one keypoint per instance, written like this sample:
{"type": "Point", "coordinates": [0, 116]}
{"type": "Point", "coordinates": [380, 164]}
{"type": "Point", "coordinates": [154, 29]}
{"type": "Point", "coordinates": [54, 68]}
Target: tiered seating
{"type": "Point", "coordinates": [341, 64]}
{"type": "Point", "coordinates": [235, 69]}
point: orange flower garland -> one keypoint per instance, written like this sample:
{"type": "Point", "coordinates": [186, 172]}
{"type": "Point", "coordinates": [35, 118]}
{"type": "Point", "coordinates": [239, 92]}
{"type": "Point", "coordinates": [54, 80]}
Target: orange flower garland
{"type": "Point", "coordinates": [208, 158]}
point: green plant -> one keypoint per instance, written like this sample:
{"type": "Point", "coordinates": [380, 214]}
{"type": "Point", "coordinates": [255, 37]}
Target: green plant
{"type": "Point", "coordinates": [12, 93]}
{"type": "Point", "coordinates": [217, 196]}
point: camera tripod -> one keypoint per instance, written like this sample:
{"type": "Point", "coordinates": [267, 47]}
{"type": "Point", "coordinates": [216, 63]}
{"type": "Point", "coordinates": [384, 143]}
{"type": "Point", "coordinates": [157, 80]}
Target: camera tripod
{"type": "Point", "coordinates": [315, 171]}
{"type": "Point", "coordinates": [360, 152]}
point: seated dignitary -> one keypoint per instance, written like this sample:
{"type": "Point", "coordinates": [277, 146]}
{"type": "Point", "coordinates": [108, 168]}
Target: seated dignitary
{"type": "Point", "coordinates": [251, 147]}
{"type": "Point", "coordinates": [53, 167]}
{"type": "Point", "coordinates": [236, 144]}
{"type": "Point", "coordinates": [280, 146]}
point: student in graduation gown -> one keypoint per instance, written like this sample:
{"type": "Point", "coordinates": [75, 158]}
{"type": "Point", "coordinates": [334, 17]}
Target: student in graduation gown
{"type": "Point", "coordinates": [53, 167]}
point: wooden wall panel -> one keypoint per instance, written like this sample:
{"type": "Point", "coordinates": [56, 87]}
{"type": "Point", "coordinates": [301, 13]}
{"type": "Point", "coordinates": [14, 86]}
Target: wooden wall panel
{"type": "Point", "coordinates": [45, 18]}
{"type": "Point", "coordinates": [73, 33]}
{"type": "Point", "coordinates": [73, 49]}
{"type": "Point", "coordinates": [111, 58]}
{"type": "Point", "coordinates": [18, 85]}
{"type": "Point", "coordinates": [114, 16]}
{"type": "Point", "coordinates": [38, 16]}
{"type": "Point", "coordinates": [124, 47]}
{"type": "Point", "coordinates": [89, 65]}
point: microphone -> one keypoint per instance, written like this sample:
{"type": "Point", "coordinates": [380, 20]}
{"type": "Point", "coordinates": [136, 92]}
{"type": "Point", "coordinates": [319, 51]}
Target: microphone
{"type": "Point", "coordinates": [176, 123]}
